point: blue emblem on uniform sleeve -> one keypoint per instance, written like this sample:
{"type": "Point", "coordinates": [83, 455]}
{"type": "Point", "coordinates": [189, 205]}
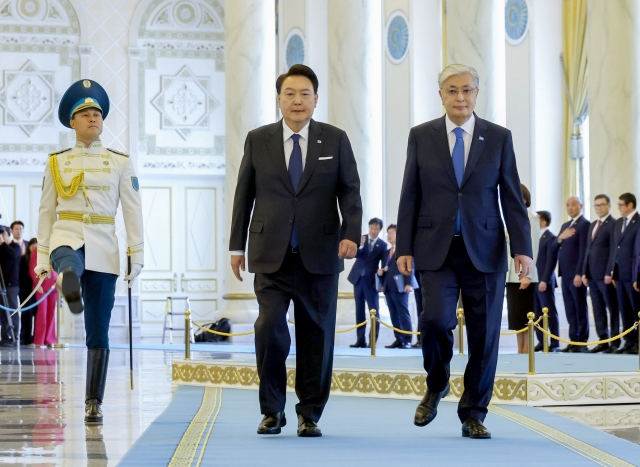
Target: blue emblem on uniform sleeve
{"type": "Point", "coordinates": [134, 182]}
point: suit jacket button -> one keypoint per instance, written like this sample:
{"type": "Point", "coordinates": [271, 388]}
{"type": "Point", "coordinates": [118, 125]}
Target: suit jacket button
{"type": "Point", "coordinates": [459, 195]}
{"type": "Point", "coordinates": [295, 199]}
{"type": "Point", "coordinates": [453, 218]}
{"type": "Point", "coordinates": [290, 221]}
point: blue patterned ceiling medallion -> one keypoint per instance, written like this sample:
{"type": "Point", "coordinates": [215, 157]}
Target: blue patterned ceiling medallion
{"type": "Point", "coordinates": [397, 37]}
{"type": "Point", "coordinates": [516, 21]}
{"type": "Point", "coordinates": [295, 48]}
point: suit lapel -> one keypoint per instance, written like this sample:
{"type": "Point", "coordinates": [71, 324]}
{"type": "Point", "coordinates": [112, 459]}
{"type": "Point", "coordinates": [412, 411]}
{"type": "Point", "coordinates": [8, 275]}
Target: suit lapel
{"type": "Point", "coordinates": [443, 153]}
{"type": "Point", "coordinates": [275, 146]}
{"type": "Point", "coordinates": [314, 149]}
{"type": "Point", "coordinates": [477, 146]}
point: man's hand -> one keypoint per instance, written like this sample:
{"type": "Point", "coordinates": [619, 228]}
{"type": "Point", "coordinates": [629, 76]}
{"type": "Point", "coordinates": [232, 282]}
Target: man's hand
{"type": "Point", "coordinates": [347, 250]}
{"type": "Point", "coordinates": [608, 280]}
{"type": "Point", "coordinates": [542, 286]}
{"type": "Point", "coordinates": [577, 281]}
{"type": "Point", "coordinates": [566, 234]}
{"type": "Point", "coordinates": [635, 286]}
{"type": "Point", "coordinates": [524, 265]}
{"type": "Point", "coordinates": [585, 281]}
{"type": "Point", "coordinates": [408, 288]}
{"type": "Point", "coordinates": [380, 272]}
{"type": "Point", "coordinates": [237, 264]}
{"type": "Point", "coordinates": [135, 272]}
{"type": "Point", "coordinates": [405, 264]}
{"type": "Point", "coordinates": [363, 239]}
{"type": "Point", "coordinates": [525, 283]}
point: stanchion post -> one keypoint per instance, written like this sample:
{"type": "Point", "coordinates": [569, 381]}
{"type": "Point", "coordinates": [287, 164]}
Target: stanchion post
{"type": "Point", "coordinates": [373, 339]}
{"type": "Point", "coordinates": [545, 326]}
{"type": "Point", "coordinates": [187, 335]}
{"type": "Point", "coordinates": [461, 331]}
{"type": "Point", "coordinates": [532, 354]}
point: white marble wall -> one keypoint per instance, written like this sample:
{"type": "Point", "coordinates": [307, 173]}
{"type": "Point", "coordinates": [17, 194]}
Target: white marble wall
{"type": "Point", "coordinates": [614, 84]}
{"type": "Point", "coordinates": [476, 37]}
{"type": "Point", "coordinates": [251, 102]}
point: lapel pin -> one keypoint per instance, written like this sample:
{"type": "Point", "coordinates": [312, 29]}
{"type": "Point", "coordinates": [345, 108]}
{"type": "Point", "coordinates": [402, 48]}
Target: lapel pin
{"type": "Point", "coordinates": [481, 138]}
{"type": "Point", "coordinates": [319, 141]}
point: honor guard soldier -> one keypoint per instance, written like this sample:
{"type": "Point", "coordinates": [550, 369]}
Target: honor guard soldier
{"type": "Point", "coordinates": [76, 231]}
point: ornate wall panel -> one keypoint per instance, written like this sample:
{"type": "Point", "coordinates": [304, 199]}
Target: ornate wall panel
{"type": "Point", "coordinates": [201, 229]}
{"type": "Point", "coordinates": [156, 210]}
{"type": "Point", "coordinates": [39, 57]}
{"type": "Point", "coordinates": [180, 87]}
{"type": "Point", "coordinates": [7, 204]}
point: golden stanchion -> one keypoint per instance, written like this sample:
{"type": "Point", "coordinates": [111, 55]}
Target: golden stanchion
{"type": "Point", "coordinates": [532, 354]}
{"type": "Point", "coordinates": [187, 335]}
{"type": "Point", "coordinates": [461, 331]}
{"type": "Point", "coordinates": [59, 321]}
{"type": "Point", "coordinates": [545, 325]}
{"type": "Point", "coordinates": [373, 332]}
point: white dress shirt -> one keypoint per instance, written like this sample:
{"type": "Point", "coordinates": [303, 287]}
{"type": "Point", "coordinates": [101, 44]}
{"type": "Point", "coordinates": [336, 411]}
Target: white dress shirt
{"type": "Point", "coordinates": [467, 136]}
{"type": "Point", "coordinates": [629, 217]}
{"type": "Point", "coordinates": [288, 142]}
{"type": "Point", "coordinates": [542, 231]}
{"type": "Point", "coordinates": [596, 228]}
{"type": "Point", "coordinates": [288, 149]}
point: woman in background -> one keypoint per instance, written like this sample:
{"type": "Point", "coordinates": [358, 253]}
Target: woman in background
{"type": "Point", "coordinates": [26, 287]}
{"type": "Point", "coordinates": [45, 328]}
{"type": "Point", "coordinates": [520, 293]}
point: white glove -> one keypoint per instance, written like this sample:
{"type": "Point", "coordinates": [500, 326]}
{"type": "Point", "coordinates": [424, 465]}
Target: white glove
{"type": "Point", "coordinates": [41, 269]}
{"type": "Point", "coordinates": [135, 272]}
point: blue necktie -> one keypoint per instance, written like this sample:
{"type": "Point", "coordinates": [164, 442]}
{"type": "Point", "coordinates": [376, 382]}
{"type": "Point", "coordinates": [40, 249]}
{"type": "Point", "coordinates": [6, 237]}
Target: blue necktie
{"type": "Point", "coordinates": [624, 225]}
{"type": "Point", "coordinates": [458, 166]}
{"type": "Point", "coordinates": [295, 174]}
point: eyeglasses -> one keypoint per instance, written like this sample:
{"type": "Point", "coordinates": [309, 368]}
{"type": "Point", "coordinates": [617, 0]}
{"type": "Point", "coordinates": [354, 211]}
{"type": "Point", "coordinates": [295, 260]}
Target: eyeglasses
{"type": "Point", "coordinates": [455, 92]}
{"type": "Point", "coordinates": [621, 204]}
{"type": "Point", "coordinates": [600, 205]}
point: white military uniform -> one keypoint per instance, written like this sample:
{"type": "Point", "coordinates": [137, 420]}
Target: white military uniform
{"type": "Point", "coordinates": [87, 218]}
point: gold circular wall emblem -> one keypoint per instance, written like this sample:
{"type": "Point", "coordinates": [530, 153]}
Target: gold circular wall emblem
{"type": "Point", "coordinates": [86, 83]}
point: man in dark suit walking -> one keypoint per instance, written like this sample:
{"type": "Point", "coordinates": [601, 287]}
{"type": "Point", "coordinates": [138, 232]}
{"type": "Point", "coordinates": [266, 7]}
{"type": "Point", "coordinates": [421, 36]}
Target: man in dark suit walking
{"type": "Point", "coordinates": [621, 270]}
{"type": "Point", "coordinates": [369, 260]}
{"type": "Point", "coordinates": [397, 288]}
{"type": "Point", "coordinates": [460, 170]}
{"type": "Point", "coordinates": [572, 245]}
{"type": "Point", "coordinates": [294, 176]}
{"type": "Point", "coordinates": [596, 260]}
{"type": "Point", "coordinates": [545, 296]}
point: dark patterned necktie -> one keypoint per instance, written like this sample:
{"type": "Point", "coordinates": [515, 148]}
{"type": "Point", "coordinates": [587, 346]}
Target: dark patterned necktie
{"type": "Point", "coordinates": [295, 174]}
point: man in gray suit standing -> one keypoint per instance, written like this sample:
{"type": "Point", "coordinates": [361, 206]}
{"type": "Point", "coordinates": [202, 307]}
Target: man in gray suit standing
{"type": "Point", "coordinates": [294, 176]}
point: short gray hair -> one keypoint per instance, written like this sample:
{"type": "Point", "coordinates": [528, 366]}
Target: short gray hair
{"type": "Point", "coordinates": [457, 69]}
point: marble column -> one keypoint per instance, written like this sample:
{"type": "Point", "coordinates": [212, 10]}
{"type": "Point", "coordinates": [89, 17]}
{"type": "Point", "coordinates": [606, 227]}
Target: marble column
{"type": "Point", "coordinates": [614, 91]}
{"type": "Point", "coordinates": [475, 37]}
{"type": "Point", "coordinates": [355, 105]}
{"type": "Point", "coordinates": [250, 103]}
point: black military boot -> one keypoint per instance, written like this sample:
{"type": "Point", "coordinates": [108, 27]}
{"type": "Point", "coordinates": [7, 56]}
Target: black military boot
{"type": "Point", "coordinates": [68, 284]}
{"type": "Point", "coordinates": [97, 363]}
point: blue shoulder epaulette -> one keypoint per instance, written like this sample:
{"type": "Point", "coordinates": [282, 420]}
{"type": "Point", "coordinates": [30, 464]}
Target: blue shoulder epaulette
{"type": "Point", "coordinates": [118, 152]}
{"type": "Point", "coordinates": [59, 152]}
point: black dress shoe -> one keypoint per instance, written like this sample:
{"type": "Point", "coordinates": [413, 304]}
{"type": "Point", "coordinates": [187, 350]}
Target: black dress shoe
{"type": "Point", "coordinates": [538, 348]}
{"type": "Point", "coordinates": [406, 345]}
{"type": "Point", "coordinates": [395, 345]}
{"type": "Point", "coordinates": [567, 348]}
{"type": "Point", "coordinates": [622, 349]}
{"type": "Point", "coordinates": [359, 345]}
{"type": "Point", "coordinates": [272, 424]}
{"type": "Point", "coordinates": [428, 407]}
{"type": "Point", "coordinates": [578, 349]}
{"type": "Point", "coordinates": [417, 345]}
{"type": "Point", "coordinates": [68, 283]}
{"type": "Point", "coordinates": [308, 428]}
{"type": "Point", "coordinates": [598, 348]}
{"type": "Point", "coordinates": [555, 348]}
{"type": "Point", "coordinates": [632, 350]}
{"type": "Point", "coordinates": [473, 428]}
{"type": "Point", "coordinates": [610, 349]}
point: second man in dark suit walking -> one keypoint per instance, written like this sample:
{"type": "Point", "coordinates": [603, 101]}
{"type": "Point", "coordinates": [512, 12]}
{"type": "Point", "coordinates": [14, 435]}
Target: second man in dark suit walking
{"type": "Point", "coordinates": [294, 176]}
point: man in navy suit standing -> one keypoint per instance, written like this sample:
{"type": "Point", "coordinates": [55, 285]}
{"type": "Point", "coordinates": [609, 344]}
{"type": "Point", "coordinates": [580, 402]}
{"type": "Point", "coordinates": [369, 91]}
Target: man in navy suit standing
{"type": "Point", "coordinates": [546, 264]}
{"type": "Point", "coordinates": [460, 173]}
{"type": "Point", "coordinates": [594, 270]}
{"type": "Point", "coordinates": [369, 260]}
{"type": "Point", "coordinates": [622, 272]}
{"type": "Point", "coordinates": [572, 245]}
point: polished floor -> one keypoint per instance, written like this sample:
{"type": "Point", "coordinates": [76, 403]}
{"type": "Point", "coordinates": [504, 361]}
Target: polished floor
{"type": "Point", "coordinates": [42, 402]}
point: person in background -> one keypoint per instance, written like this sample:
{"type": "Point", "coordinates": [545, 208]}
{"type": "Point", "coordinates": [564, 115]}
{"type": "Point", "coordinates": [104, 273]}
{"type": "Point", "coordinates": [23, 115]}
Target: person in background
{"type": "Point", "coordinates": [10, 264]}
{"type": "Point", "coordinates": [45, 325]}
{"type": "Point", "coordinates": [17, 230]}
{"type": "Point", "coordinates": [397, 288]}
{"type": "Point", "coordinates": [596, 259]}
{"type": "Point", "coordinates": [520, 292]}
{"type": "Point", "coordinates": [417, 294]}
{"type": "Point", "coordinates": [370, 259]}
{"type": "Point", "coordinates": [572, 245]}
{"type": "Point", "coordinates": [26, 287]}
{"type": "Point", "coordinates": [545, 296]}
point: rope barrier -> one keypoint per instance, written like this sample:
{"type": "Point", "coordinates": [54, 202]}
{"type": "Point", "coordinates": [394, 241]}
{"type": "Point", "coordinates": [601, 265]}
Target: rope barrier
{"type": "Point", "coordinates": [520, 331]}
{"type": "Point", "coordinates": [230, 334]}
{"type": "Point", "coordinates": [20, 309]}
{"type": "Point", "coordinates": [604, 341]}
{"type": "Point", "coordinates": [401, 331]}
{"type": "Point", "coordinates": [340, 331]}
